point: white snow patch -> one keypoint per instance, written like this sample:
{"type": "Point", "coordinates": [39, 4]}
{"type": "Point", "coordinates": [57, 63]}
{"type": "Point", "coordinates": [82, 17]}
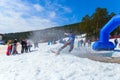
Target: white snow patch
{"type": "Point", "coordinates": [41, 64]}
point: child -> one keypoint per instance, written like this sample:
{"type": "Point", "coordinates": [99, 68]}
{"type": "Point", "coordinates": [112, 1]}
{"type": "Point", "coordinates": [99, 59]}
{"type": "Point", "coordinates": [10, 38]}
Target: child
{"type": "Point", "coordinates": [14, 47]}
{"type": "Point", "coordinates": [9, 48]}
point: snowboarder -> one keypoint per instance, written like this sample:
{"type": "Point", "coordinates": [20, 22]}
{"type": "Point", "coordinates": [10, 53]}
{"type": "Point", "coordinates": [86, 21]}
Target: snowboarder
{"type": "Point", "coordinates": [70, 42]}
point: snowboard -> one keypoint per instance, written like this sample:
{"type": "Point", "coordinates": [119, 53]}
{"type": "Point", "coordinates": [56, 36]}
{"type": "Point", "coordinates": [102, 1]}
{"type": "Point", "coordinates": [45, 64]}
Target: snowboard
{"type": "Point", "coordinates": [55, 52]}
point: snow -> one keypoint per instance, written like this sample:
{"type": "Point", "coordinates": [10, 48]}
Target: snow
{"type": "Point", "coordinates": [41, 64]}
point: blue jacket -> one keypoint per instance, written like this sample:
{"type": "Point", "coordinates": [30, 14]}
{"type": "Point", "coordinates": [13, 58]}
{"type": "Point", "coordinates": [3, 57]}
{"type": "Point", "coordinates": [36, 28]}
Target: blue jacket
{"type": "Point", "coordinates": [71, 38]}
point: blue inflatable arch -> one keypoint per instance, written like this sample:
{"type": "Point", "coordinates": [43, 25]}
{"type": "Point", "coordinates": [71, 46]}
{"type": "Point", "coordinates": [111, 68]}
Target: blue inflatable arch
{"type": "Point", "coordinates": [103, 43]}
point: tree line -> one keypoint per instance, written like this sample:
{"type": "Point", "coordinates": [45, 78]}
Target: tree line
{"type": "Point", "coordinates": [91, 25]}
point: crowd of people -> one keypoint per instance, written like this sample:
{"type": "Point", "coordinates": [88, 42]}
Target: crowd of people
{"type": "Point", "coordinates": [84, 43]}
{"type": "Point", "coordinates": [12, 46]}
{"type": "Point", "coordinates": [26, 44]}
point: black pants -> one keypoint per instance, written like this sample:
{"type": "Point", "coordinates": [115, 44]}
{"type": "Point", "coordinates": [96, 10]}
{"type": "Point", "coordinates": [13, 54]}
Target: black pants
{"type": "Point", "coordinates": [65, 45]}
{"type": "Point", "coordinates": [23, 49]}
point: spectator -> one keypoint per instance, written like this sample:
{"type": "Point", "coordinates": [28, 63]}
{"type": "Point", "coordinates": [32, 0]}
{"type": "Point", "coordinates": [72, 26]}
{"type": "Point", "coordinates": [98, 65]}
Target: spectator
{"type": "Point", "coordinates": [29, 45]}
{"type": "Point", "coordinates": [89, 42]}
{"type": "Point", "coordinates": [9, 48]}
{"type": "Point", "coordinates": [116, 42]}
{"type": "Point", "coordinates": [14, 47]}
{"type": "Point", "coordinates": [24, 46]}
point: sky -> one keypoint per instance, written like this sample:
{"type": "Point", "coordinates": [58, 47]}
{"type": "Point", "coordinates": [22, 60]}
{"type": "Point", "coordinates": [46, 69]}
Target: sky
{"type": "Point", "coordinates": [27, 15]}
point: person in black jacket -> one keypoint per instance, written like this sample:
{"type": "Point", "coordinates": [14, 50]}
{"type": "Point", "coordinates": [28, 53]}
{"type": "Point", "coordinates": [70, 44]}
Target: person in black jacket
{"type": "Point", "coordinates": [116, 42]}
{"type": "Point", "coordinates": [23, 45]}
{"type": "Point", "coordinates": [14, 47]}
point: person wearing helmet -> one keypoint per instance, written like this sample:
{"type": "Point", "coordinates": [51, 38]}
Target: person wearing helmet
{"type": "Point", "coordinates": [70, 42]}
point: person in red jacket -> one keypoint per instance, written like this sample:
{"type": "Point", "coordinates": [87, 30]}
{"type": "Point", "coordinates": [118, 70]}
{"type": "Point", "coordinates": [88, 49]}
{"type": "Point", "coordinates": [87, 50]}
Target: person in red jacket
{"type": "Point", "coordinates": [9, 48]}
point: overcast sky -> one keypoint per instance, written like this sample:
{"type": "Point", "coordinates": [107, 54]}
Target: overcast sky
{"type": "Point", "coordinates": [26, 15]}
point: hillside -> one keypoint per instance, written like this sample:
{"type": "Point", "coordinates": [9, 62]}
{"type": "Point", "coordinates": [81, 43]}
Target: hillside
{"type": "Point", "coordinates": [44, 35]}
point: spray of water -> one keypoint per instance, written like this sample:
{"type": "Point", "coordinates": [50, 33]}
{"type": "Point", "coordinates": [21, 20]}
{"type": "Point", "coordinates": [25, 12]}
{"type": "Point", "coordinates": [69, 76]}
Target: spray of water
{"type": "Point", "coordinates": [47, 35]}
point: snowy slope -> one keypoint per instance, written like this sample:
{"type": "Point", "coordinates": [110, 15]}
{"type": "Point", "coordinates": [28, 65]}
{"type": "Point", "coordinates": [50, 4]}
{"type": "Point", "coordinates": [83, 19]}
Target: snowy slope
{"type": "Point", "coordinates": [41, 64]}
